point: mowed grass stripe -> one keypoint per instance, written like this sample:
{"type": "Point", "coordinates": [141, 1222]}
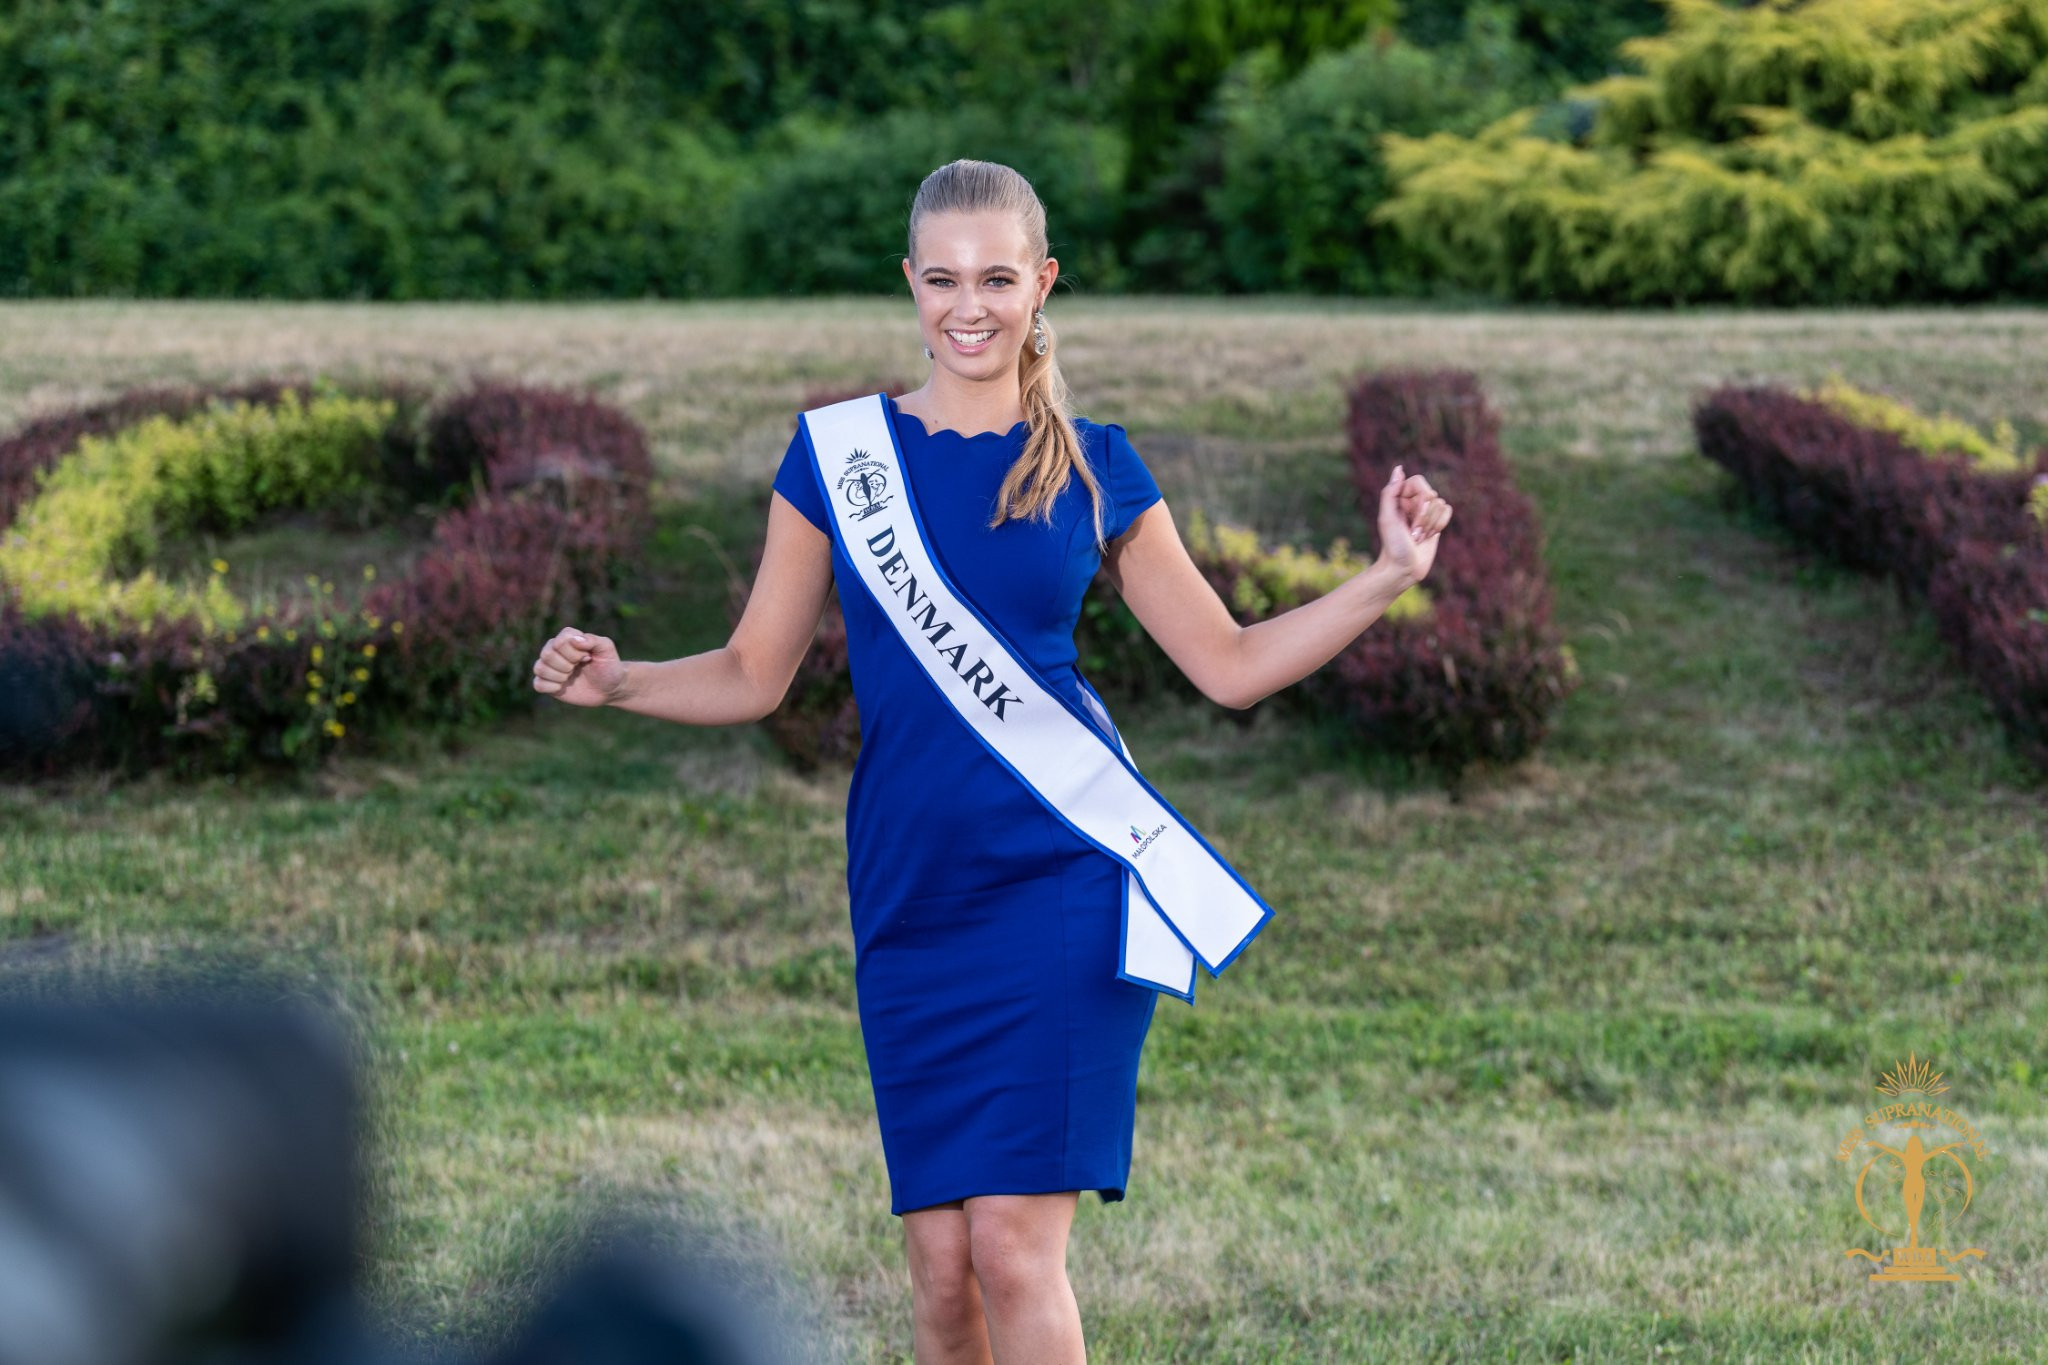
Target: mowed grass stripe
{"type": "Point", "coordinates": [1318, 1226]}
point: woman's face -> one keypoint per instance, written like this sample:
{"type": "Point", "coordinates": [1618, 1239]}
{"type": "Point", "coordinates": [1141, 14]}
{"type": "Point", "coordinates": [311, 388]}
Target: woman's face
{"type": "Point", "coordinates": [976, 286]}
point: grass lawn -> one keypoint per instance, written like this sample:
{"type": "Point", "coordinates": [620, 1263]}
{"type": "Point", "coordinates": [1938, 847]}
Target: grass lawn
{"type": "Point", "coordinates": [1547, 1064]}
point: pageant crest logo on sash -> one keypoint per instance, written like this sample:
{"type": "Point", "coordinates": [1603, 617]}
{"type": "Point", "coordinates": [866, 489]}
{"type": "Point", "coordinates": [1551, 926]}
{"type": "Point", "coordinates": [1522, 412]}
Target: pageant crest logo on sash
{"type": "Point", "coordinates": [864, 483]}
{"type": "Point", "coordinates": [1933, 1183]}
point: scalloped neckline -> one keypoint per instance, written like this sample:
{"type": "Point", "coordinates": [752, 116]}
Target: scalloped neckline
{"type": "Point", "coordinates": [957, 435]}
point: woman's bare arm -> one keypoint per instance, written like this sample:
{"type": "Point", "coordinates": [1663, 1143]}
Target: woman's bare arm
{"type": "Point", "coordinates": [1237, 666]}
{"type": "Point", "coordinates": [744, 680]}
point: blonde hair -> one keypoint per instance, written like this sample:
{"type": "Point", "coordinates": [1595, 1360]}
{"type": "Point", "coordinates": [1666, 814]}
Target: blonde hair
{"type": "Point", "coordinates": [1052, 451]}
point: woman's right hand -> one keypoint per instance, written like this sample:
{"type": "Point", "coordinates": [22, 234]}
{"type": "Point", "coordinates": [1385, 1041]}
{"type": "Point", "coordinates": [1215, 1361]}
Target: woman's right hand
{"type": "Point", "coordinates": [579, 668]}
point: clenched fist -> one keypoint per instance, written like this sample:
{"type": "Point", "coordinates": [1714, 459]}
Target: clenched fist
{"type": "Point", "coordinates": [1411, 517]}
{"type": "Point", "coordinates": [579, 668]}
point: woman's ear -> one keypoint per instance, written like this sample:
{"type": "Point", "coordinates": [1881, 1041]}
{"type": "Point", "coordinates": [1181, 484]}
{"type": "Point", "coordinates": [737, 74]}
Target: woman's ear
{"type": "Point", "coordinates": [1047, 273]}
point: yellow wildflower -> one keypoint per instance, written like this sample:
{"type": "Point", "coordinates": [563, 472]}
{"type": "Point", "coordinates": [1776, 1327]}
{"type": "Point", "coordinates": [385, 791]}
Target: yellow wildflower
{"type": "Point", "coordinates": [348, 699]}
{"type": "Point", "coordinates": [335, 728]}
{"type": "Point", "coordinates": [316, 654]}
{"type": "Point", "coordinates": [220, 566]}
{"type": "Point", "coordinates": [361, 675]}
{"type": "Point", "coordinates": [315, 680]}
{"type": "Point", "coordinates": [369, 651]}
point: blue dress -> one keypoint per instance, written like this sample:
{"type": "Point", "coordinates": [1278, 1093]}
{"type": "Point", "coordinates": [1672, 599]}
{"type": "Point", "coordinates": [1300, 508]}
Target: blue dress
{"type": "Point", "coordinates": [1002, 1046]}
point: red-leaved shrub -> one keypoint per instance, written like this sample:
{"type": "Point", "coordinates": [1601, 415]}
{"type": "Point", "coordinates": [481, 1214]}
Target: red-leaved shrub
{"type": "Point", "coordinates": [1934, 525]}
{"type": "Point", "coordinates": [1481, 674]}
{"type": "Point", "coordinates": [559, 501]}
{"type": "Point", "coordinates": [1990, 604]}
{"type": "Point", "coordinates": [516, 436]}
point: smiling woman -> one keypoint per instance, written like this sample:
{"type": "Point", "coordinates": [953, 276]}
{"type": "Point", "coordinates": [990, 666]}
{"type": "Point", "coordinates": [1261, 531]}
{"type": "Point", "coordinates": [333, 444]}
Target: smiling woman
{"type": "Point", "coordinates": [1019, 894]}
{"type": "Point", "coordinates": [980, 269]}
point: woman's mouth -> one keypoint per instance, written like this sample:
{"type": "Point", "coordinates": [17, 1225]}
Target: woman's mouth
{"type": "Point", "coordinates": [971, 343]}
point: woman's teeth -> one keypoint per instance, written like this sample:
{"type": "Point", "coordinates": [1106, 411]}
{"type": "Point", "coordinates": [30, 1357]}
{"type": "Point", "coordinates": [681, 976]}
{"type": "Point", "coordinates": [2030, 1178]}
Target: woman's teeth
{"type": "Point", "coordinates": [971, 338]}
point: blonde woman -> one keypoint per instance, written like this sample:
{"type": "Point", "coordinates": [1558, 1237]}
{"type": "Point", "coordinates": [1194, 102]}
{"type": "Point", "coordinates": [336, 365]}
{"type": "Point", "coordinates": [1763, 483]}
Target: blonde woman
{"type": "Point", "coordinates": [995, 930]}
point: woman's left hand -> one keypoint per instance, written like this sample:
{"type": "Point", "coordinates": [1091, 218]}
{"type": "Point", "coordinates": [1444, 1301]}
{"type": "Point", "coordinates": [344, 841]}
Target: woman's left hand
{"type": "Point", "coordinates": [1411, 517]}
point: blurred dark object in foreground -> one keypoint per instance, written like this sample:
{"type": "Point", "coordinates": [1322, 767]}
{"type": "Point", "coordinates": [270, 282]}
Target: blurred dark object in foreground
{"type": "Point", "coordinates": [179, 1184]}
{"type": "Point", "coordinates": [632, 1306]}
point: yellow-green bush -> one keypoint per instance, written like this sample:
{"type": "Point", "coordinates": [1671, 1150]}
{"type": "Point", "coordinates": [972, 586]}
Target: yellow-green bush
{"type": "Point", "coordinates": [1259, 582]}
{"type": "Point", "coordinates": [1997, 453]}
{"type": "Point", "coordinates": [1824, 151]}
{"type": "Point", "coordinates": [82, 545]}
{"type": "Point", "coordinates": [1254, 582]}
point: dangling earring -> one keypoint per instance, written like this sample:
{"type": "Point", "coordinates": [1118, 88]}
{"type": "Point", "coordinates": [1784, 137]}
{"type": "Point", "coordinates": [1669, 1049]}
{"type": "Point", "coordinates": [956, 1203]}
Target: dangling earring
{"type": "Point", "coordinates": [1038, 341]}
{"type": "Point", "coordinates": [928, 353]}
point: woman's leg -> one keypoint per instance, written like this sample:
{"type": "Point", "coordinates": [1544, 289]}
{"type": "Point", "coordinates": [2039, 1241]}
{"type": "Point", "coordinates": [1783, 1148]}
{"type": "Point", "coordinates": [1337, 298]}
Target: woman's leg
{"type": "Point", "coordinates": [945, 1300]}
{"type": "Point", "coordinates": [1019, 1246]}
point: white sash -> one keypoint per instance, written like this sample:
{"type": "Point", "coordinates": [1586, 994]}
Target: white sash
{"type": "Point", "coordinates": [1182, 902]}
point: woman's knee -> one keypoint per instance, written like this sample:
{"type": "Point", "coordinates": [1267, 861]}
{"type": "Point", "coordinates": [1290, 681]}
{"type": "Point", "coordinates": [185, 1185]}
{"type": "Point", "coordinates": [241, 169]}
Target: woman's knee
{"type": "Point", "coordinates": [941, 1262]}
{"type": "Point", "coordinates": [1018, 1246]}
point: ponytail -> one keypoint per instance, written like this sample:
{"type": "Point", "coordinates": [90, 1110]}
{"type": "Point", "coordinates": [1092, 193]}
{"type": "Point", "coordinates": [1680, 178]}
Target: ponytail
{"type": "Point", "coordinates": [1052, 450]}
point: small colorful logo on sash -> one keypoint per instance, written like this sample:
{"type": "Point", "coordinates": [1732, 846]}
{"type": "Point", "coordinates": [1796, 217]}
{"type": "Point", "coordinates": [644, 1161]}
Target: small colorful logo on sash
{"type": "Point", "coordinates": [864, 483]}
{"type": "Point", "coordinates": [1144, 841]}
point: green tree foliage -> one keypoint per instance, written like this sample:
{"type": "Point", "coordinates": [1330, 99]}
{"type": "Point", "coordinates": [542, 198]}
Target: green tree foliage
{"type": "Point", "coordinates": [1171, 121]}
{"type": "Point", "coordinates": [1564, 40]}
{"type": "Point", "coordinates": [421, 149]}
{"type": "Point", "coordinates": [1825, 151]}
{"type": "Point", "coordinates": [527, 148]}
{"type": "Point", "coordinates": [1302, 168]}
{"type": "Point", "coordinates": [1270, 184]}
{"type": "Point", "coordinates": [352, 147]}
{"type": "Point", "coordinates": [827, 212]}
{"type": "Point", "coordinates": [1184, 51]}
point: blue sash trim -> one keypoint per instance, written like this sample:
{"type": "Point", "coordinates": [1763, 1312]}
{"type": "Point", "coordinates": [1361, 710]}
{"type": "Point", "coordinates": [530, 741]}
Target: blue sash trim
{"type": "Point", "coordinates": [1123, 941]}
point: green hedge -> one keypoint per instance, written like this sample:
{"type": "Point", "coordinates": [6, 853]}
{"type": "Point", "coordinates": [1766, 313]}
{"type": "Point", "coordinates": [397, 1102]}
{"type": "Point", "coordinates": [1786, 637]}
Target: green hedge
{"type": "Point", "coordinates": [83, 544]}
{"type": "Point", "coordinates": [569, 148]}
{"type": "Point", "coordinates": [1302, 167]}
{"type": "Point", "coordinates": [544, 499]}
{"type": "Point", "coordinates": [827, 212]}
{"type": "Point", "coordinates": [387, 192]}
{"type": "Point", "coordinates": [1835, 151]}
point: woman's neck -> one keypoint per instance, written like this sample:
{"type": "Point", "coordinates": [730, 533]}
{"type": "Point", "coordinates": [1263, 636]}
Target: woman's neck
{"type": "Point", "coordinates": [970, 407]}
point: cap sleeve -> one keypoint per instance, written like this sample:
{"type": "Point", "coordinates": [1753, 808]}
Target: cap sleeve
{"type": "Point", "coordinates": [797, 480]}
{"type": "Point", "coordinates": [1127, 482]}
